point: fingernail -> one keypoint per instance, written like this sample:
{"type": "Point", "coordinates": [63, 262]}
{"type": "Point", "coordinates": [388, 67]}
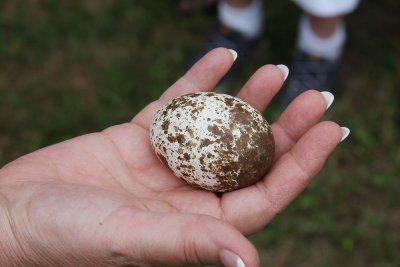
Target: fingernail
{"type": "Point", "coordinates": [284, 69]}
{"type": "Point", "coordinates": [234, 54]}
{"type": "Point", "coordinates": [329, 97]}
{"type": "Point", "coordinates": [345, 133]}
{"type": "Point", "coordinates": [230, 259]}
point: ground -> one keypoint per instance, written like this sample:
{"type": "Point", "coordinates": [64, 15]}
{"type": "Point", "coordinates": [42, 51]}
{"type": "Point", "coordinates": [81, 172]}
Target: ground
{"type": "Point", "coordinates": [73, 67]}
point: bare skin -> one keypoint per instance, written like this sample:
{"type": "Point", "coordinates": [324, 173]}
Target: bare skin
{"type": "Point", "coordinates": [322, 27]}
{"type": "Point", "coordinates": [238, 3]}
{"type": "Point", "coordinates": [104, 199]}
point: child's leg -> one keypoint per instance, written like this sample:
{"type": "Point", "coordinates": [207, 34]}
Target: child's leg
{"type": "Point", "coordinates": [239, 27]}
{"type": "Point", "coordinates": [320, 42]}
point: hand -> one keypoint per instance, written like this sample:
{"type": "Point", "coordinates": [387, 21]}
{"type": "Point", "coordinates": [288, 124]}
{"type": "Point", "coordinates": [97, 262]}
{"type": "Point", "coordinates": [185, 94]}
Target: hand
{"type": "Point", "coordinates": [105, 199]}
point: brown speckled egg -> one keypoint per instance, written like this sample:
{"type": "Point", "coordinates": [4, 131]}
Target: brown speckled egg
{"type": "Point", "coordinates": [213, 141]}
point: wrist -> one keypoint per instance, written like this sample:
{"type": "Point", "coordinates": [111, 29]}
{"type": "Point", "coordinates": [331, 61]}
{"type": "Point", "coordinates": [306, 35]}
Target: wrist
{"type": "Point", "coordinates": [10, 253]}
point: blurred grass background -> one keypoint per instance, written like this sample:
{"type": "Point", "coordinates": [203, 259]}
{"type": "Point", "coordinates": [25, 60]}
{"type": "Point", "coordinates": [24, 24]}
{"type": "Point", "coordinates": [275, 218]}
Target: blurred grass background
{"type": "Point", "coordinates": [73, 67]}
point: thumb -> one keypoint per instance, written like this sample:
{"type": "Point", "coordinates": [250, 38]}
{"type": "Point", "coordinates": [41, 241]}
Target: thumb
{"type": "Point", "coordinates": [182, 239]}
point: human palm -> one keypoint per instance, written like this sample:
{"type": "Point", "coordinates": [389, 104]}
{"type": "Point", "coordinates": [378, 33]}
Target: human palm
{"type": "Point", "coordinates": [105, 199]}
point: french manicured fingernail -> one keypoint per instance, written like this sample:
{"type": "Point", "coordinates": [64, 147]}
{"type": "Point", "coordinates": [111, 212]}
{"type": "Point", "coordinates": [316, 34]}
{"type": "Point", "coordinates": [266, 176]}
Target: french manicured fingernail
{"type": "Point", "coordinates": [230, 259]}
{"type": "Point", "coordinates": [329, 97]}
{"type": "Point", "coordinates": [345, 133]}
{"type": "Point", "coordinates": [284, 69]}
{"type": "Point", "coordinates": [234, 54]}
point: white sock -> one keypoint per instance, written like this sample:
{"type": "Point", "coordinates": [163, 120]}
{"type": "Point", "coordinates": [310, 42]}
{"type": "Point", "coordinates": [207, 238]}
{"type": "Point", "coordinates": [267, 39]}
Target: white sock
{"type": "Point", "coordinates": [248, 20]}
{"type": "Point", "coordinates": [328, 48]}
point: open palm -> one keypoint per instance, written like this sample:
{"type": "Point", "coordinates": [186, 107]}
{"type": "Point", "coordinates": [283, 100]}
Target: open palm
{"type": "Point", "coordinates": [105, 199]}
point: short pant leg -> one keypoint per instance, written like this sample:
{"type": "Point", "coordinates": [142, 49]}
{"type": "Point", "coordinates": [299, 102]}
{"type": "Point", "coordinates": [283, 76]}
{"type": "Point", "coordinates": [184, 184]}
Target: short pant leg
{"type": "Point", "coordinates": [327, 8]}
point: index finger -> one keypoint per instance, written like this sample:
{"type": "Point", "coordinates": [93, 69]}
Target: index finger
{"type": "Point", "coordinates": [263, 85]}
{"type": "Point", "coordinates": [202, 76]}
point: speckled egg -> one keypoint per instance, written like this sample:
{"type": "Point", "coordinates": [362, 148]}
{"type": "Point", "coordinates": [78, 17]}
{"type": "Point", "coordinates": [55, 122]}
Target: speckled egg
{"type": "Point", "coordinates": [213, 141]}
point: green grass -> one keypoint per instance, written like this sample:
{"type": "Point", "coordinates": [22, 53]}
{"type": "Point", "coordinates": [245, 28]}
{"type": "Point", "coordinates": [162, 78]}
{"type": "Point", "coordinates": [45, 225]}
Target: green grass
{"type": "Point", "coordinates": [73, 67]}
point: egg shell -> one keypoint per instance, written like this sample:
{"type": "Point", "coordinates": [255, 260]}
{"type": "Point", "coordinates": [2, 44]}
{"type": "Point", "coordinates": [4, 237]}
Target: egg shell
{"type": "Point", "coordinates": [213, 141]}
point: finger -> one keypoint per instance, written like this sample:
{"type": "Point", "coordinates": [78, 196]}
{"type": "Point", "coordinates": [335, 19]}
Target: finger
{"type": "Point", "coordinates": [180, 240]}
{"type": "Point", "coordinates": [263, 86]}
{"type": "Point", "coordinates": [303, 113]}
{"type": "Point", "coordinates": [202, 76]}
{"type": "Point", "coordinates": [287, 178]}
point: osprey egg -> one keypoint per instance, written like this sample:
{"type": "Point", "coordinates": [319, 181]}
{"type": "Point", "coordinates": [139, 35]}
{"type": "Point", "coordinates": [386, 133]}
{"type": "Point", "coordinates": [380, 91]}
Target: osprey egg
{"type": "Point", "coordinates": [213, 141]}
